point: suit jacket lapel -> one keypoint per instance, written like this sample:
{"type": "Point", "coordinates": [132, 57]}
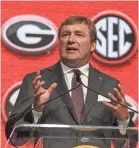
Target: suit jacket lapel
{"type": "Point", "coordinates": [58, 77]}
{"type": "Point", "coordinates": [94, 83]}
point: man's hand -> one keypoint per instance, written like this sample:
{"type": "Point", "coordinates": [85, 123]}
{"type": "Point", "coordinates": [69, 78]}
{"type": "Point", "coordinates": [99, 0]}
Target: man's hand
{"type": "Point", "coordinates": [41, 95]}
{"type": "Point", "coordinates": [120, 112]}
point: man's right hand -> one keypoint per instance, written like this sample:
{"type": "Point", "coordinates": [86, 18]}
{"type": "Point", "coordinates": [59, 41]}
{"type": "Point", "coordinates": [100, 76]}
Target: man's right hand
{"type": "Point", "coordinates": [41, 95]}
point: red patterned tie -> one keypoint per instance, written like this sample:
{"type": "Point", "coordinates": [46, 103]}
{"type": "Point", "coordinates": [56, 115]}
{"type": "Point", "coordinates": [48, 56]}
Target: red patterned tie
{"type": "Point", "coordinates": [77, 94]}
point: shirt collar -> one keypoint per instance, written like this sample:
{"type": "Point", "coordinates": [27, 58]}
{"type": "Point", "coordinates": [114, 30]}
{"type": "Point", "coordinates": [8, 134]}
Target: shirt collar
{"type": "Point", "coordinates": [84, 69]}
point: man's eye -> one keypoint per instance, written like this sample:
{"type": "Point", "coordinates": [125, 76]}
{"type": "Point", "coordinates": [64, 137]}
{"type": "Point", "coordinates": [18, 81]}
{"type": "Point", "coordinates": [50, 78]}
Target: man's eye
{"type": "Point", "coordinates": [79, 34]}
{"type": "Point", "coordinates": [65, 34]}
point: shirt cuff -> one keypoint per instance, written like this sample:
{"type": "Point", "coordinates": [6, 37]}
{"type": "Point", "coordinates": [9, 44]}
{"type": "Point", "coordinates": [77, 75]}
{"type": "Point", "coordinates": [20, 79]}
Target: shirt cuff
{"type": "Point", "coordinates": [123, 124]}
{"type": "Point", "coordinates": [36, 114]}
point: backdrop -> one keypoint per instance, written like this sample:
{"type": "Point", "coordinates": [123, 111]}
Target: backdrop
{"type": "Point", "coordinates": [116, 52]}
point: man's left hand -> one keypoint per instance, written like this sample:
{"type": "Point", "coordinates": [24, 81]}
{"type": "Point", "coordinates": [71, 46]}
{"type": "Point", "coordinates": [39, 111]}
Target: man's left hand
{"type": "Point", "coordinates": [120, 112]}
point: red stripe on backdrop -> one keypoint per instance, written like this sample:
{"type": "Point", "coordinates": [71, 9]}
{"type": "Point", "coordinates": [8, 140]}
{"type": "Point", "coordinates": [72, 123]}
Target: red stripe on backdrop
{"type": "Point", "coordinates": [15, 66]}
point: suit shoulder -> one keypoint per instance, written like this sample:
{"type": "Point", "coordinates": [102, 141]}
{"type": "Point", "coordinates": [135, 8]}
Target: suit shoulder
{"type": "Point", "coordinates": [42, 71]}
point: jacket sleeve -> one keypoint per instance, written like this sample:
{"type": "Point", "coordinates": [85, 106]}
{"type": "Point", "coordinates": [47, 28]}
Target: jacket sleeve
{"type": "Point", "coordinates": [132, 136]}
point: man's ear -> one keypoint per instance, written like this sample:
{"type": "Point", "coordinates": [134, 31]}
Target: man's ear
{"type": "Point", "coordinates": [93, 46]}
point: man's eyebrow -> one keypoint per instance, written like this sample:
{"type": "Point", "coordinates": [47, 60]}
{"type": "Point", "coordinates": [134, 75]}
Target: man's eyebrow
{"type": "Point", "coordinates": [75, 31]}
{"type": "Point", "coordinates": [79, 31]}
{"type": "Point", "coordinates": [66, 31]}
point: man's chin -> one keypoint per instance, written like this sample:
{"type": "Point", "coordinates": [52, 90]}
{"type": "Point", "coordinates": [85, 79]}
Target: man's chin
{"type": "Point", "coordinates": [72, 62]}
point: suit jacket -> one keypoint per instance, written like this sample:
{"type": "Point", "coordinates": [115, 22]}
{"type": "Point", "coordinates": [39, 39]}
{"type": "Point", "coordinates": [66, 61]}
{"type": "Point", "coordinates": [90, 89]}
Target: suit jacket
{"type": "Point", "coordinates": [61, 110]}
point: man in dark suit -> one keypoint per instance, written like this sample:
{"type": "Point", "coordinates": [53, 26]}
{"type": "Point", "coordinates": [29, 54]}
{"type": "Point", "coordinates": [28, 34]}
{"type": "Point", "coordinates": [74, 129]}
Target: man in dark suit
{"type": "Point", "coordinates": [77, 38]}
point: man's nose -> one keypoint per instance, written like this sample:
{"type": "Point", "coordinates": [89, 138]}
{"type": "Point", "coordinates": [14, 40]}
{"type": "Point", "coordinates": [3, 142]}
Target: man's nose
{"type": "Point", "coordinates": [71, 38]}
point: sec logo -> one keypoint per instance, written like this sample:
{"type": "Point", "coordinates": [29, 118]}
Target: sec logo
{"type": "Point", "coordinates": [116, 37]}
{"type": "Point", "coordinates": [29, 34]}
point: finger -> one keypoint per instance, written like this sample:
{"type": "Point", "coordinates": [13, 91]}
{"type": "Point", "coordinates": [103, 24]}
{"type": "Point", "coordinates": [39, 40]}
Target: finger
{"type": "Point", "coordinates": [38, 72]}
{"type": "Point", "coordinates": [110, 106]}
{"type": "Point", "coordinates": [111, 97]}
{"type": "Point", "coordinates": [36, 79]}
{"type": "Point", "coordinates": [52, 87]}
{"type": "Point", "coordinates": [38, 76]}
{"type": "Point", "coordinates": [38, 86]}
{"type": "Point", "coordinates": [38, 93]}
{"type": "Point", "coordinates": [118, 95]}
{"type": "Point", "coordinates": [121, 90]}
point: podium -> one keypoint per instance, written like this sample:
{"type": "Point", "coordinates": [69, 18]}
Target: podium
{"type": "Point", "coordinates": [71, 136]}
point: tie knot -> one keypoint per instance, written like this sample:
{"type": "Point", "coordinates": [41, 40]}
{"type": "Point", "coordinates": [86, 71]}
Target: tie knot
{"type": "Point", "coordinates": [77, 72]}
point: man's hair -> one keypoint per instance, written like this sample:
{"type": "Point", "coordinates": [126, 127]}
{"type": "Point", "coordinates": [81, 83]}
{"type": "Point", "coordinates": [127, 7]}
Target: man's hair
{"type": "Point", "coordinates": [79, 20]}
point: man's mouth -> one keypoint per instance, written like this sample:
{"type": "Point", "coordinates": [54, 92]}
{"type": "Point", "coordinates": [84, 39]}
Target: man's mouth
{"type": "Point", "coordinates": [71, 49]}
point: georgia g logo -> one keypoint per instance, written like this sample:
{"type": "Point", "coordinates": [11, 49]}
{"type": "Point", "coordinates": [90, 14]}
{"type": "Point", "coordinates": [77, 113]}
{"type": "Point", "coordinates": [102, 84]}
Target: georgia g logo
{"type": "Point", "coordinates": [29, 34]}
{"type": "Point", "coordinates": [116, 37]}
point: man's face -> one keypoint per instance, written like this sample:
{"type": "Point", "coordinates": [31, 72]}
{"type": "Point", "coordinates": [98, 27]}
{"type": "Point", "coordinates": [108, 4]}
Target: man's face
{"type": "Point", "coordinates": [75, 45]}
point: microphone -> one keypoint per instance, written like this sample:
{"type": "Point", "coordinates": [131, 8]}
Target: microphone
{"type": "Point", "coordinates": [78, 73]}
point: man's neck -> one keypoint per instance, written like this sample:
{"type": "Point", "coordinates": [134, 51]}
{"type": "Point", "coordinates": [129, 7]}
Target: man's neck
{"type": "Point", "coordinates": [73, 65]}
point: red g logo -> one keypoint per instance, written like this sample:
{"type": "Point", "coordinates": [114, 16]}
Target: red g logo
{"type": "Point", "coordinates": [29, 34]}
